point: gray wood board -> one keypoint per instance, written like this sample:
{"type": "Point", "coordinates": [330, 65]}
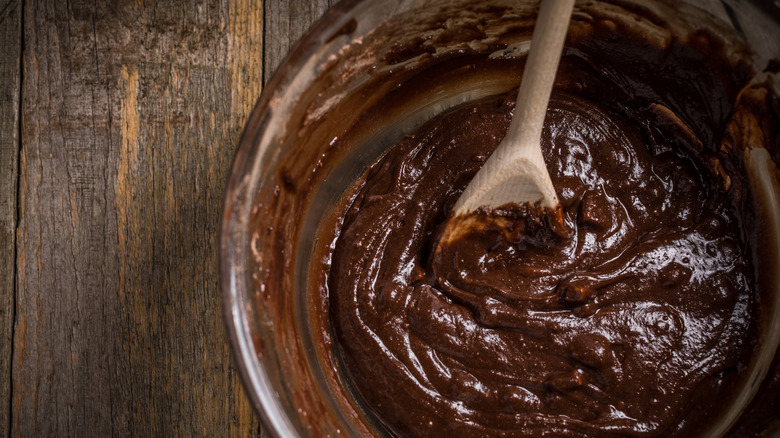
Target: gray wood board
{"type": "Point", "coordinates": [10, 76]}
{"type": "Point", "coordinates": [131, 112]}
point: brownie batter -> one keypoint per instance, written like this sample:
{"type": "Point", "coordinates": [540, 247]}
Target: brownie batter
{"type": "Point", "coordinates": [638, 309]}
{"type": "Point", "coordinates": [629, 312]}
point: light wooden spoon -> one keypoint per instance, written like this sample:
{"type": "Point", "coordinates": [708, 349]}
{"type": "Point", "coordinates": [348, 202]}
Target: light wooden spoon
{"type": "Point", "coordinates": [515, 172]}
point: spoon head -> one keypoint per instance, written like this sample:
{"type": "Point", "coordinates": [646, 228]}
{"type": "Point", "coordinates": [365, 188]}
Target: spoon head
{"type": "Point", "coordinates": [521, 180]}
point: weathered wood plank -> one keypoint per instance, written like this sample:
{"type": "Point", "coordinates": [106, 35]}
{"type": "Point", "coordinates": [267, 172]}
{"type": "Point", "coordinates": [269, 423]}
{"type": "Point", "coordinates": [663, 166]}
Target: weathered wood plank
{"type": "Point", "coordinates": [286, 21]}
{"type": "Point", "coordinates": [131, 111]}
{"type": "Point", "coordinates": [10, 74]}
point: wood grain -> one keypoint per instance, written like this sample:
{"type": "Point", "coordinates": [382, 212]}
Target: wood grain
{"type": "Point", "coordinates": [286, 22]}
{"type": "Point", "coordinates": [10, 76]}
{"type": "Point", "coordinates": [131, 111]}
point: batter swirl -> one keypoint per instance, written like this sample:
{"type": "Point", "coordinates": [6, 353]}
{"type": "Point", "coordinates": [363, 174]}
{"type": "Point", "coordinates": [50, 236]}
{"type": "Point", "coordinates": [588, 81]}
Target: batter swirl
{"type": "Point", "coordinates": [633, 318]}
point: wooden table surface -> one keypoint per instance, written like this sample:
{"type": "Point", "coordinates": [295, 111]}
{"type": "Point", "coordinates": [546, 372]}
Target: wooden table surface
{"type": "Point", "coordinates": [118, 123]}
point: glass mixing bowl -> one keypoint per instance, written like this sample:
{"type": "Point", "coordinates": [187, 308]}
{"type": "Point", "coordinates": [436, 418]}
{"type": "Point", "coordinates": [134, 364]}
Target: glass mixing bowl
{"type": "Point", "coordinates": [306, 142]}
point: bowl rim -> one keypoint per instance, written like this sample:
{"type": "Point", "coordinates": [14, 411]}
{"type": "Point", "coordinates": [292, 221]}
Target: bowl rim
{"type": "Point", "coordinates": [237, 202]}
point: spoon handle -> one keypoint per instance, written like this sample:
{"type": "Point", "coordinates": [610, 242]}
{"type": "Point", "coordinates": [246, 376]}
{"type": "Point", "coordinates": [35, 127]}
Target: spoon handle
{"type": "Point", "coordinates": [515, 172]}
{"type": "Point", "coordinates": [539, 75]}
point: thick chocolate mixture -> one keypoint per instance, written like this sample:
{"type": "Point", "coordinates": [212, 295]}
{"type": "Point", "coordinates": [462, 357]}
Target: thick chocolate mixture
{"type": "Point", "coordinates": [633, 313]}
{"type": "Point", "coordinates": [635, 317]}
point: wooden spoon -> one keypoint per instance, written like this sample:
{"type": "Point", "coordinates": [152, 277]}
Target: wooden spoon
{"type": "Point", "coordinates": [516, 172]}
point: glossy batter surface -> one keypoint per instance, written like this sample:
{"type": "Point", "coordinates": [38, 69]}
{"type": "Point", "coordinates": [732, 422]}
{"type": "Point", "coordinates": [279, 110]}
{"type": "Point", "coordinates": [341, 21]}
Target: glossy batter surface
{"type": "Point", "coordinates": [633, 318]}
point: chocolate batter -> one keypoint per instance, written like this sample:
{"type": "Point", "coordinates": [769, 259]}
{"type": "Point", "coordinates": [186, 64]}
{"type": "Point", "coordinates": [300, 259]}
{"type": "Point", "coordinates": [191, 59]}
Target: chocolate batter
{"type": "Point", "coordinates": [642, 312]}
{"type": "Point", "coordinates": [634, 316]}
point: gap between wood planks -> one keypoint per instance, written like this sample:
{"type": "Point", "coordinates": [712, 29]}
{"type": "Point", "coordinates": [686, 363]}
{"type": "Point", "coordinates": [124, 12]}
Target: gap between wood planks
{"type": "Point", "coordinates": [10, 135]}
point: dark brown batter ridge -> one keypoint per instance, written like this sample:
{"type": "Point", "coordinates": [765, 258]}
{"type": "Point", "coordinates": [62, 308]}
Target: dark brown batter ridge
{"type": "Point", "coordinates": [633, 318]}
